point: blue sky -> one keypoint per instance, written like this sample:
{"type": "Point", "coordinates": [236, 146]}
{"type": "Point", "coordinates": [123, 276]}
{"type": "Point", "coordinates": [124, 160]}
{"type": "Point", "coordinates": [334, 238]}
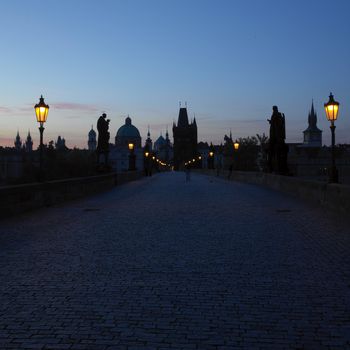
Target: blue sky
{"type": "Point", "coordinates": [230, 60]}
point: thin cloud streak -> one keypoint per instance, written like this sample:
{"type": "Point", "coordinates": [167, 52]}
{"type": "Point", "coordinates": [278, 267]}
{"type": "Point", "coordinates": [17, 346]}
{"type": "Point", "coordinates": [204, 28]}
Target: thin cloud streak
{"type": "Point", "coordinates": [74, 106]}
{"type": "Point", "coordinates": [5, 110]}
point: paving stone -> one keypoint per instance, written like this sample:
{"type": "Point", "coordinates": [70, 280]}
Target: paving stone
{"type": "Point", "coordinates": [165, 264]}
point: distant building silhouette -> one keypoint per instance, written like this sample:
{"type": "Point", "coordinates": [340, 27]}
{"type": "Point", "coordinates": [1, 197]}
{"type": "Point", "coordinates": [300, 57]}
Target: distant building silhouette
{"type": "Point", "coordinates": [92, 143]}
{"type": "Point", "coordinates": [120, 153]}
{"type": "Point", "coordinates": [29, 143]}
{"type": "Point", "coordinates": [60, 143]}
{"type": "Point", "coordinates": [148, 143]}
{"type": "Point", "coordinates": [163, 148]}
{"type": "Point", "coordinates": [128, 133]}
{"type": "Point", "coordinates": [185, 139]}
{"type": "Point", "coordinates": [18, 142]}
{"type": "Point", "coordinates": [312, 135]}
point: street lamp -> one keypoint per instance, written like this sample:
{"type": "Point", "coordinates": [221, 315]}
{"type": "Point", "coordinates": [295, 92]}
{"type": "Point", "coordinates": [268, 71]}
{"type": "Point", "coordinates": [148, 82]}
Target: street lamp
{"type": "Point", "coordinates": [236, 146]}
{"type": "Point", "coordinates": [131, 157]}
{"type": "Point", "coordinates": [332, 108]}
{"type": "Point", "coordinates": [41, 112]}
{"type": "Point", "coordinates": [211, 160]}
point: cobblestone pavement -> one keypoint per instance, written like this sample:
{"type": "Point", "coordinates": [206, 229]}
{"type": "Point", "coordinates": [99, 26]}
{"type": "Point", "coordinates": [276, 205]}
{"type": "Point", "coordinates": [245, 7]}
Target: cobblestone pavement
{"type": "Point", "coordinates": [165, 264]}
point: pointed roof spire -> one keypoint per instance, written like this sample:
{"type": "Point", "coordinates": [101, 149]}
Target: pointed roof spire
{"type": "Point", "coordinates": [230, 134]}
{"type": "Point", "coordinates": [312, 119]}
{"type": "Point", "coordinates": [312, 107]}
{"type": "Point", "coordinates": [194, 119]}
{"type": "Point", "coordinates": [148, 133]}
{"type": "Point", "coordinates": [29, 137]}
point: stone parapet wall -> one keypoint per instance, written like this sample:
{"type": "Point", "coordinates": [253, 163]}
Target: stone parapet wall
{"type": "Point", "coordinates": [335, 197]}
{"type": "Point", "coordinates": [21, 198]}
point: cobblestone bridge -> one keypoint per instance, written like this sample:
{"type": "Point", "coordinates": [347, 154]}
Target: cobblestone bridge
{"type": "Point", "coordinates": [165, 264]}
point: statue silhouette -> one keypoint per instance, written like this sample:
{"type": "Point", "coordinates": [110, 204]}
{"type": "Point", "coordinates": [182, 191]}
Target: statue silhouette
{"type": "Point", "coordinates": [278, 150]}
{"type": "Point", "coordinates": [103, 137]}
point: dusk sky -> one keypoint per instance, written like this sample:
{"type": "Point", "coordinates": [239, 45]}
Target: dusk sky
{"type": "Point", "coordinates": [230, 60]}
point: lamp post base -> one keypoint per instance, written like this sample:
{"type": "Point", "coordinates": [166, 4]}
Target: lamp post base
{"type": "Point", "coordinates": [41, 156]}
{"type": "Point", "coordinates": [333, 175]}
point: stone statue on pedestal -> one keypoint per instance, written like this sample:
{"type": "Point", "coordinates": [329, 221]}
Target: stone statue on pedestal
{"type": "Point", "coordinates": [278, 150]}
{"type": "Point", "coordinates": [103, 137]}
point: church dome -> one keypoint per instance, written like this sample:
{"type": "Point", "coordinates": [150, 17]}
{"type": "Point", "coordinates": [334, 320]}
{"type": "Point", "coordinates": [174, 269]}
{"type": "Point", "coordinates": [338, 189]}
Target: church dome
{"type": "Point", "coordinates": [128, 130]}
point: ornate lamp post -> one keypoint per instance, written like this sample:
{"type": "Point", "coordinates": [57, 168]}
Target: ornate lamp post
{"type": "Point", "coordinates": [332, 108]}
{"type": "Point", "coordinates": [235, 155]}
{"type": "Point", "coordinates": [131, 157]}
{"type": "Point", "coordinates": [41, 112]}
{"type": "Point", "coordinates": [211, 160]}
{"type": "Point", "coordinates": [147, 163]}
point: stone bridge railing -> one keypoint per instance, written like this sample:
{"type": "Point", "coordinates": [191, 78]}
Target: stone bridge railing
{"type": "Point", "coordinates": [335, 197]}
{"type": "Point", "coordinates": [21, 198]}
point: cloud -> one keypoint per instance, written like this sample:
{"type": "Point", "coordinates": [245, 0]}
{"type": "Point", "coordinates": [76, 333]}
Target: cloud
{"type": "Point", "coordinates": [75, 106]}
{"type": "Point", "coordinates": [5, 110]}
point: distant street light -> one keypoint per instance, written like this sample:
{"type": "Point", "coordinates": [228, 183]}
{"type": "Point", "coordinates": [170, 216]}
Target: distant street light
{"type": "Point", "coordinates": [235, 156]}
{"type": "Point", "coordinates": [132, 157]}
{"type": "Point", "coordinates": [41, 112]}
{"type": "Point", "coordinates": [211, 159]}
{"type": "Point", "coordinates": [332, 108]}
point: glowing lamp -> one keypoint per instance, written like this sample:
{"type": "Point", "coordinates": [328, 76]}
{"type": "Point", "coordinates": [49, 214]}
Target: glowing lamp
{"type": "Point", "coordinates": [211, 153]}
{"type": "Point", "coordinates": [331, 108]}
{"type": "Point", "coordinates": [236, 146]}
{"type": "Point", "coordinates": [131, 146]}
{"type": "Point", "coordinates": [41, 110]}
{"type": "Point", "coordinates": [146, 154]}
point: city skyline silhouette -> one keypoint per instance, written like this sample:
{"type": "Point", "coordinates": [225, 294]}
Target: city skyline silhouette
{"type": "Point", "coordinates": [230, 62]}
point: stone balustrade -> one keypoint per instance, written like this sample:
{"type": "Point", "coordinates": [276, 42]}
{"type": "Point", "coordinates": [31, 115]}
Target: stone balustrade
{"type": "Point", "coordinates": [21, 198]}
{"type": "Point", "coordinates": [335, 197]}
